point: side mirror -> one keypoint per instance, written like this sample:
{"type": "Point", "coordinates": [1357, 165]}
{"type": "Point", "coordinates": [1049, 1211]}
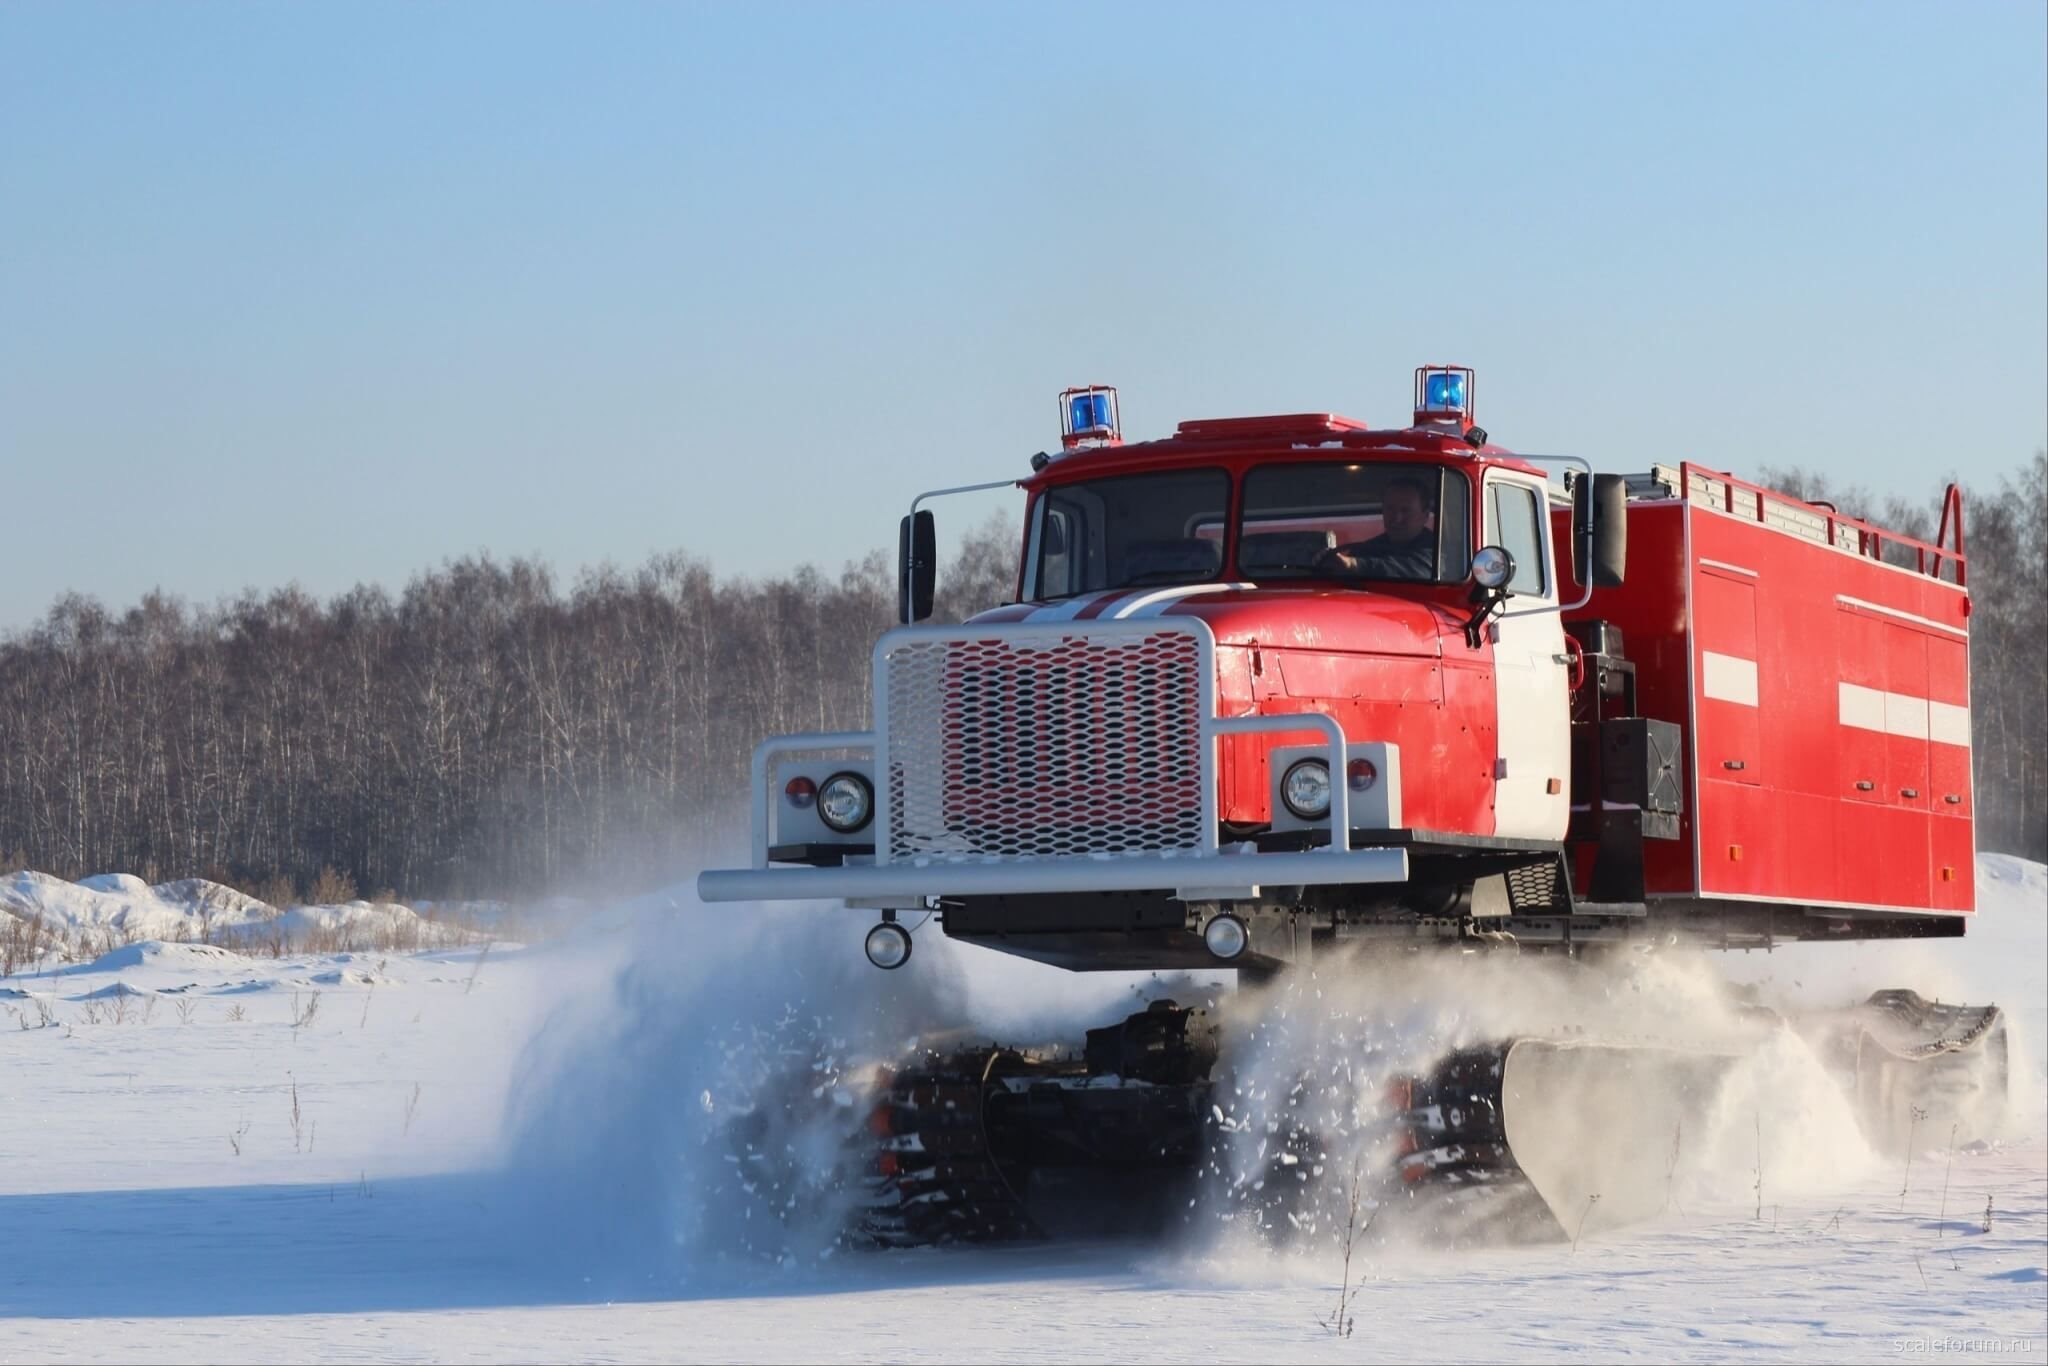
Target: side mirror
{"type": "Point", "coordinates": [917, 567]}
{"type": "Point", "coordinates": [1610, 530]}
{"type": "Point", "coordinates": [1600, 530]}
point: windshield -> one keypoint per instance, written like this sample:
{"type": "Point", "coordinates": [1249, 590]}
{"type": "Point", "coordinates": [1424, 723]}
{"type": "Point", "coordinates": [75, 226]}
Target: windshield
{"type": "Point", "coordinates": [1130, 531]}
{"type": "Point", "coordinates": [1338, 520]}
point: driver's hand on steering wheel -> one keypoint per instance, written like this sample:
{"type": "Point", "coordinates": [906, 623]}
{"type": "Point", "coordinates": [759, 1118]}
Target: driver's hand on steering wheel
{"type": "Point", "coordinates": [1335, 561]}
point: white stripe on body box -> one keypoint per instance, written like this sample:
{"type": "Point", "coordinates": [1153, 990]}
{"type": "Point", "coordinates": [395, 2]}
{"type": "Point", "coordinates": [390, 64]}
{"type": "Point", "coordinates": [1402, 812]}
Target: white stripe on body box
{"type": "Point", "coordinates": [1948, 723]}
{"type": "Point", "coordinates": [1906, 716]}
{"type": "Point", "coordinates": [1728, 678]}
{"type": "Point", "coordinates": [1913, 718]}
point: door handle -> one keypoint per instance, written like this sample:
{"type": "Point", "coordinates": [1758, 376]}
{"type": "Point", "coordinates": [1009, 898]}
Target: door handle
{"type": "Point", "coordinates": [1909, 792]}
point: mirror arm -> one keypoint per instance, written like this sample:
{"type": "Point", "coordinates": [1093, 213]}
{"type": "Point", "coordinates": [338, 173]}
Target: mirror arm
{"type": "Point", "coordinates": [1487, 607]}
{"type": "Point", "coordinates": [961, 488]}
{"type": "Point", "coordinates": [908, 562]}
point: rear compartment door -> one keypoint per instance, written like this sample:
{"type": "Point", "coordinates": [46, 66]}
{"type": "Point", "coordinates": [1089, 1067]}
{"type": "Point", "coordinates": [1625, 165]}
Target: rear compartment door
{"type": "Point", "coordinates": [1903, 854]}
{"type": "Point", "coordinates": [1862, 764]}
{"type": "Point", "coordinates": [1724, 663]}
{"type": "Point", "coordinates": [1951, 805]}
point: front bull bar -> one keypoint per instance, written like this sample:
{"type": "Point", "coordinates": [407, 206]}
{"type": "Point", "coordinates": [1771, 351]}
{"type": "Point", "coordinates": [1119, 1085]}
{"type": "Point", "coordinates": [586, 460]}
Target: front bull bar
{"type": "Point", "coordinates": [1208, 872]}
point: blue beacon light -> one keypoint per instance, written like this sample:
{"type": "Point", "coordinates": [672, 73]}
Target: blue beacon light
{"type": "Point", "coordinates": [1088, 416]}
{"type": "Point", "coordinates": [1443, 393]}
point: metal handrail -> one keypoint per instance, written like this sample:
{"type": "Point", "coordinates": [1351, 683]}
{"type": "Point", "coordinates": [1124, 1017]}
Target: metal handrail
{"type": "Point", "coordinates": [1870, 538]}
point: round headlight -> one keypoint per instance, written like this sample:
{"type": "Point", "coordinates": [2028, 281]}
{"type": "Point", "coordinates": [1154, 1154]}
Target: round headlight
{"type": "Point", "coordinates": [1492, 567]}
{"type": "Point", "coordinates": [1226, 936]}
{"type": "Point", "coordinates": [1306, 789]}
{"type": "Point", "coordinates": [845, 801]}
{"type": "Point", "coordinates": [888, 945]}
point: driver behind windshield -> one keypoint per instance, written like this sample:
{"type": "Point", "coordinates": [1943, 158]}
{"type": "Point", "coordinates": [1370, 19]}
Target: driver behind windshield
{"type": "Point", "coordinates": [1404, 549]}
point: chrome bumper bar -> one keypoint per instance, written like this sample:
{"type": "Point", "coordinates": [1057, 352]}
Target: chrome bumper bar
{"type": "Point", "coordinates": [1190, 877]}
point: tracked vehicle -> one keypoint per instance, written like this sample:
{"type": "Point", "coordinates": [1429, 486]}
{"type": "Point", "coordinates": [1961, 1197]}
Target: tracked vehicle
{"type": "Point", "coordinates": [1289, 689]}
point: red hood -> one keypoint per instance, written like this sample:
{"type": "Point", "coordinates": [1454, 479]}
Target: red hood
{"type": "Point", "coordinates": [1308, 617]}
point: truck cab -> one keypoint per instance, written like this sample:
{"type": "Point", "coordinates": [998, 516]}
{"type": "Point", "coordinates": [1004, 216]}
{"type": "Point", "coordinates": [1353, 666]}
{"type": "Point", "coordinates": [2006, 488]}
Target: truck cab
{"type": "Point", "coordinates": [1333, 566]}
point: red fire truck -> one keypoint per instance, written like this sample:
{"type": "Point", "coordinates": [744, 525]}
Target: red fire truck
{"type": "Point", "coordinates": [1274, 685]}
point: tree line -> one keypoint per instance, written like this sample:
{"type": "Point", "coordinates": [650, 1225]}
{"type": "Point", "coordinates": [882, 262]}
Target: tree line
{"type": "Point", "coordinates": [490, 732]}
{"type": "Point", "coordinates": [486, 732]}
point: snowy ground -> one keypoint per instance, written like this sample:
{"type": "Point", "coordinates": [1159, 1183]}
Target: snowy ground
{"type": "Point", "coordinates": [496, 1153]}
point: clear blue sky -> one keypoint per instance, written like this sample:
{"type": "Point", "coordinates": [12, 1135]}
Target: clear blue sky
{"type": "Point", "coordinates": [329, 293]}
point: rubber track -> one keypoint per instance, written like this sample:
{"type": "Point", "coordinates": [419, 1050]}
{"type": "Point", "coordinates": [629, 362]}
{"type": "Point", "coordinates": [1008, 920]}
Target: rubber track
{"type": "Point", "coordinates": [930, 1177]}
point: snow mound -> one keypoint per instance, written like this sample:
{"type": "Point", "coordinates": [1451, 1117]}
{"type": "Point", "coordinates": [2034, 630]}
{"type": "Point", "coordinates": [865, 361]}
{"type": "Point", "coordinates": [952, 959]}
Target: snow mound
{"type": "Point", "coordinates": [2021, 885]}
{"type": "Point", "coordinates": [112, 991]}
{"type": "Point", "coordinates": [349, 977]}
{"type": "Point", "coordinates": [124, 906]}
{"type": "Point", "coordinates": [156, 953]}
{"type": "Point", "coordinates": [29, 893]}
{"type": "Point", "coordinates": [357, 925]}
{"type": "Point", "coordinates": [111, 914]}
{"type": "Point", "coordinates": [223, 905]}
{"type": "Point", "coordinates": [117, 884]}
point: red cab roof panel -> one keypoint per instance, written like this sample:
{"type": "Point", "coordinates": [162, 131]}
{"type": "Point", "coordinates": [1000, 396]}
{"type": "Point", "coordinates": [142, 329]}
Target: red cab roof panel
{"type": "Point", "coordinates": [1283, 435]}
{"type": "Point", "coordinates": [1265, 428]}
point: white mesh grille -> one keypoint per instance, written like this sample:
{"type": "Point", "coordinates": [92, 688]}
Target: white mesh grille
{"type": "Point", "coordinates": [1087, 741]}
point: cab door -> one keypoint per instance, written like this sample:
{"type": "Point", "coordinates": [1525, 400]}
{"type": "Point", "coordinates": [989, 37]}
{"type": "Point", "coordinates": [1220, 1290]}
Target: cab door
{"type": "Point", "coordinates": [1532, 771]}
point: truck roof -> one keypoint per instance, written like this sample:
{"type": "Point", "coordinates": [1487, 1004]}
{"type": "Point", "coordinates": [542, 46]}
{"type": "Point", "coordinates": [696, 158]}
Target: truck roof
{"type": "Point", "coordinates": [1305, 436]}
